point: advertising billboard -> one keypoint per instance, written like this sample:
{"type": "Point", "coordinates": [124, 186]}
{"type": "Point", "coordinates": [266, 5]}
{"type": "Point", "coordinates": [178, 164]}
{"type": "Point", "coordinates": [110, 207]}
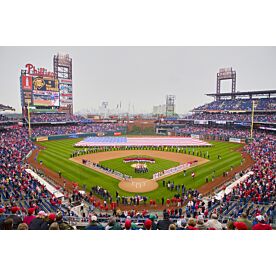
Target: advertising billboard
{"type": "Point", "coordinates": [27, 97]}
{"type": "Point", "coordinates": [27, 83]}
{"type": "Point", "coordinates": [45, 98]}
{"type": "Point", "coordinates": [201, 122]}
{"type": "Point", "coordinates": [65, 94]}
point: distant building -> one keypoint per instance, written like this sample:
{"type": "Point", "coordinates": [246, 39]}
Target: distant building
{"type": "Point", "coordinates": [159, 109]}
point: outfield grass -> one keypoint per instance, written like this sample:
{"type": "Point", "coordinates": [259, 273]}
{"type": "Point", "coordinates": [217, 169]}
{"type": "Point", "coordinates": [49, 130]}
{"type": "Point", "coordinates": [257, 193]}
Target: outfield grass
{"type": "Point", "coordinates": [57, 153]}
{"type": "Point", "coordinates": [125, 168]}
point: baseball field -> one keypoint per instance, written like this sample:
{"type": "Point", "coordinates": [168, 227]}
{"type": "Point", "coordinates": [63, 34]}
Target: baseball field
{"type": "Point", "coordinates": [56, 157]}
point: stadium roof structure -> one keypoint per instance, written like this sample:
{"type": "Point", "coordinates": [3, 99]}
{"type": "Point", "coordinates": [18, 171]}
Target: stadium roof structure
{"type": "Point", "coordinates": [6, 107]}
{"type": "Point", "coordinates": [268, 93]}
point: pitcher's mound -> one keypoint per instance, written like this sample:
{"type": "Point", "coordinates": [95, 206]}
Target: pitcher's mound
{"type": "Point", "coordinates": [138, 185]}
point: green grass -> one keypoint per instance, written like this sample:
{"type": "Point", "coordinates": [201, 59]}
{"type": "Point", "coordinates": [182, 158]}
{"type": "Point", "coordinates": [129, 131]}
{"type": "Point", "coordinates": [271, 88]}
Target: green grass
{"type": "Point", "coordinates": [57, 153]}
{"type": "Point", "coordinates": [125, 168]}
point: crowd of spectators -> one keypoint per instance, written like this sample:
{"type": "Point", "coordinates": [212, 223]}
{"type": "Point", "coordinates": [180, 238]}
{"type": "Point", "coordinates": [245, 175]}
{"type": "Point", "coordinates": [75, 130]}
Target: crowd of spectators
{"type": "Point", "coordinates": [215, 132]}
{"type": "Point", "coordinates": [26, 204]}
{"type": "Point", "coordinates": [56, 117]}
{"type": "Point", "coordinates": [240, 104]}
{"type": "Point", "coordinates": [241, 117]}
{"type": "Point", "coordinates": [21, 196]}
{"type": "Point", "coordinates": [3, 118]}
{"type": "Point", "coordinates": [71, 129]}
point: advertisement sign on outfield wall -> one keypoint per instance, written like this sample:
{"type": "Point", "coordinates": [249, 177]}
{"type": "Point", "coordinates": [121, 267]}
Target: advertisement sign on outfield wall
{"type": "Point", "coordinates": [42, 138]}
{"type": "Point", "coordinates": [195, 136]}
{"type": "Point", "coordinates": [200, 122]}
{"type": "Point", "coordinates": [235, 140]}
{"type": "Point", "coordinates": [221, 122]}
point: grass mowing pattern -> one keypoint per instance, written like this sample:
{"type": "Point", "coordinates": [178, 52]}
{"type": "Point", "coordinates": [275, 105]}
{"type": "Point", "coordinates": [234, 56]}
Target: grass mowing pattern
{"type": "Point", "coordinates": [125, 168]}
{"type": "Point", "coordinates": [57, 154]}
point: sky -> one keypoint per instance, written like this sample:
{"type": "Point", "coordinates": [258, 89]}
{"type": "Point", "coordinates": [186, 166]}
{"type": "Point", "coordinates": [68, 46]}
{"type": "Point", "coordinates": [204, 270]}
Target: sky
{"type": "Point", "coordinates": [141, 77]}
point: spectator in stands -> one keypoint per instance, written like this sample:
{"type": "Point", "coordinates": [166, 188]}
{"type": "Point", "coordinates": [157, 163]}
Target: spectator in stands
{"type": "Point", "coordinates": [172, 226]}
{"type": "Point", "coordinates": [2, 217]}
{"type": "Point", "coordinates": [127, 224]}
{"type": "Point", "coordinates": [94, 225]}
{"type": "Point", "coordinates": [148, 224]}
{"type": "Point", "coordinates": [214, 223]}
{"type": "Point", "coordinates": [28, 219]}
{"type": "Point", "coordinates": [165, 223]}
{"type": "Point", "coordinates": [200, 223]}
{"type": "Point", "coordinates": [16, 219]}
{"type": "Point", "coordinates": [243, 218]}
{"type": "Point", "coordinates": [154, 224]}
{"type": "Point", "coordinates": [40, 222]}
{"type": "Point", "coordinates": [261, 225]}
{"type": "Point", "coordinates": [51, 218]}
{"type": "Point", "coordinates": [181, 224]}
{"type": "Point", "coordinates": [8, 224]}
{"type": "Point", "coordinates": [240, 225]}
{"type": "Point", "coordinates": [63, 225]}
{"type": "Point", "coordinates": [54, 226]}
{"type": "Point", "coordinates": [230, 225]}
{"type": "Point", "coordinates": [23, 226]}
{"type": "Point", "coordinates": [191, 224]}
{"type": "Point", "coordinates": [113, 225]}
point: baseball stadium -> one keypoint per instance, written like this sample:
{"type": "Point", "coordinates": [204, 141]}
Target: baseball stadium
{"type": "Point", "coordinates": [213, 169]}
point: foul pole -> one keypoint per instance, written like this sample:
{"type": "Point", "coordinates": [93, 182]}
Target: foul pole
{"type": "Point", "coordinates": [29, 120]}
{"type": "Point", "coordinates": [252, 120]}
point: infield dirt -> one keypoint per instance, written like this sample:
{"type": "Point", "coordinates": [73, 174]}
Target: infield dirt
{"type": "Point", "coordinates": [138, 185]}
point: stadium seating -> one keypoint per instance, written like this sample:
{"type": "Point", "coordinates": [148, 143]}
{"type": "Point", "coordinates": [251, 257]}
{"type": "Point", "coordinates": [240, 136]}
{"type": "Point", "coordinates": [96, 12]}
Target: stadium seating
{"type": "Point", "coordinates": [78, 128]}
{"type": "Point", "coordinates": [269, 118]}
{"type": "Point", "coordinates": [239, 105]}
{"type": "Point", "coordinates": [56, 117]}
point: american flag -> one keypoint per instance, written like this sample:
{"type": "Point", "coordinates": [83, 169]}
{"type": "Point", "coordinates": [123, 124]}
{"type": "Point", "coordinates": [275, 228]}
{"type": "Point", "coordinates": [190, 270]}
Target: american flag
{"type": "Point", "coordinates": [140, 141]}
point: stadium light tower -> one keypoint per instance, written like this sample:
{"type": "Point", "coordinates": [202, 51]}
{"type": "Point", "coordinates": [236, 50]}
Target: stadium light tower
{"type": "Point", "coordinates": [170, 105]}
{"type": "Point", "coordinates": [226, 74]}
{"type": "Point", "coordinates": [63, 72]}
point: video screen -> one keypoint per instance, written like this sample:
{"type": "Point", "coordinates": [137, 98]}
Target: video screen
{"type": "Point", "coordinates": [45, 98]}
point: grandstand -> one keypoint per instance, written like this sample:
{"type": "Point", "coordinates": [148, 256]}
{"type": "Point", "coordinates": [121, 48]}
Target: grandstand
{"type": "Point", "coordinates": [237, 107]}
{"type": "Point", "coordinates": [7, 120]}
